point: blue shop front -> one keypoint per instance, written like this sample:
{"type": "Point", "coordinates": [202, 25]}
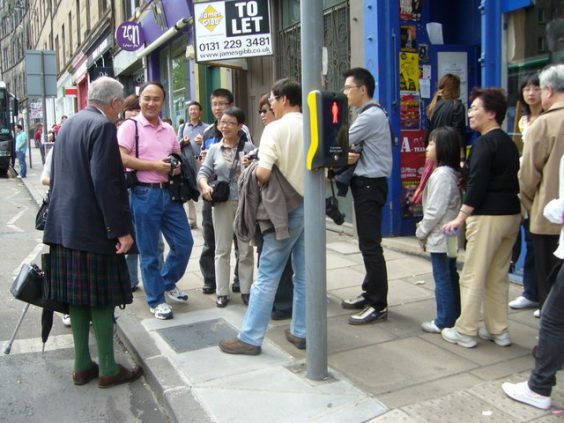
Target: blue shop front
{"type": "Point", "coordinates": [410, 44]}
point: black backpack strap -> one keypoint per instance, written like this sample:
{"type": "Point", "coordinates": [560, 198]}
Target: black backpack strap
{"type": "Point", "coordinates": [136, 138]}
{"type": "Point", "coordinates": [369, 106]}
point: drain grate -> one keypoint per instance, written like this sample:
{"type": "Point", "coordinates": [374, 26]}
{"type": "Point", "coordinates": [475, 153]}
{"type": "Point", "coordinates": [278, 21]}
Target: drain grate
{"type": "Point", "coordinates": [195, 336]}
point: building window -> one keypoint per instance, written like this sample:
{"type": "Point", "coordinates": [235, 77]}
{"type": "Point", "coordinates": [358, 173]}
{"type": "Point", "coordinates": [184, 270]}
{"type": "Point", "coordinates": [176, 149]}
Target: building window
{"type": "Point", "coordinates": [70, 33]}
{"type": "Point", "coordinates": [541, 44]}
{"type": "Point", "coordinates": [129, 7]}
{"type": "Point", "coordinates": [78, 28]}
{"type": "Point", "coordinates": [541, 16]}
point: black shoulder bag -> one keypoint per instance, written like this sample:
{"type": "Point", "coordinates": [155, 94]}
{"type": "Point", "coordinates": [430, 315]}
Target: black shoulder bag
{"type": "Point", "coordinates": [131, 175]}
{"type": "Point", "coordinates": [41, 216]}
{"type": "Point", "coordinates": [221, 188]}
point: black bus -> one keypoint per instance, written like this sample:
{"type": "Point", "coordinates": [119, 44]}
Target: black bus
{"type": "Point", "coordinates": [8, 113]}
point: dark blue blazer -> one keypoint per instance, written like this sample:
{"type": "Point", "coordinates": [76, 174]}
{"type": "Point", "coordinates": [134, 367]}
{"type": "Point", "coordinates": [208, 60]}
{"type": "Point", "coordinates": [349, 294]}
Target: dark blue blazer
{"type": "Point", "coordinates": [88, 206]}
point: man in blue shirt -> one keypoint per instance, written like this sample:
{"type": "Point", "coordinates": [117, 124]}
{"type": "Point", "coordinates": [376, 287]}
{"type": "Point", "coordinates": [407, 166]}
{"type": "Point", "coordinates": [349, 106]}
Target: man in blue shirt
{"type": "Point", "coordinates": [370, 134]}
{"type": "Point", "coordinates": [21, 148]}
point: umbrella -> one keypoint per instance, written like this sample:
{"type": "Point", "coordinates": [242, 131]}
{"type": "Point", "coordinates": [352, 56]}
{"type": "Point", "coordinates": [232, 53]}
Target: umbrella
{"type": "Point", "coordinates": [46, 326]}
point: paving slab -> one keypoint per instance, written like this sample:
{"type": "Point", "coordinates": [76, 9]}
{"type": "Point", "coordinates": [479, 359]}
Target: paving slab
{"type": "Point", "coordinates": [395, 365]}
{"type": "Point", "coordinates": [343, 247]}
{"type": "Point", "coordinates": [336, 261]}
{"type": "Point", "coordinates": [456, 407]}
{"type": "Point", "coordinates": [428, 390]}
{"type": "Point", "coordinates": [407, 266]}
{"type": "Point", "coordinates": [285, 396]}
{"type": "Point", "coordinates": [394, 416]}
{"type": "Point", "coordinates": [345, 277]}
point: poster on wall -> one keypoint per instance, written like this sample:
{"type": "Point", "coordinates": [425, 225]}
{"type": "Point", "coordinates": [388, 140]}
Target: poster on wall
{"type": "Point", "coordinates": [455, 62]}
{"type": "Point", "coordinates": [410, 10]}
{"type": "Point", "coordinates": [410, 112]}
{"type": "Point", "coordinates": [412, 165]}
{"type": "Point", "coordinates": [408, 34]}
{"type": "Point", "coordinates": [409, 71]}
{"type": "Point", "coordinates": [232, 29]}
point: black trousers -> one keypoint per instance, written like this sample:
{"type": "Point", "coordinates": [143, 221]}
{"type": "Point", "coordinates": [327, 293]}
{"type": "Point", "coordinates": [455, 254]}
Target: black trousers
{"type": "Point", "coordinates": [207, 258]}
{"type": "Point", "coordinates": [550, 349]}
{"type": "Point", "coordinates": [369, 195]}
{"type": "Point", "coordinates": [544, 247]}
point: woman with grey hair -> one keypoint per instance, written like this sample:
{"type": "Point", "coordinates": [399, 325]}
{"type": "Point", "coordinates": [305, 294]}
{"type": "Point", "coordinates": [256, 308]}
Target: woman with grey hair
{"type": "Point", "coordinates": [89, 231]}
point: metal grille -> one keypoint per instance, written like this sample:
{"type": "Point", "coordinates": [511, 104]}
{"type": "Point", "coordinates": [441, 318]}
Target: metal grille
{"type": "Point", "coordinates": [336, 39]}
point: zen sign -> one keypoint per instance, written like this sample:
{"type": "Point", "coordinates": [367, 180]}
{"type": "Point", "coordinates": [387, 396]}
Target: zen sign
{"type": "Point", "coordinates": [232, 29]}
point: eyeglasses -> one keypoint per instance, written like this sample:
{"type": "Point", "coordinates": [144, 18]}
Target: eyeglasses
{"type": "Point", "coordinates": [349, 87]}
{"type": "Point", "coordinates": [219, 104]}
{"type": "Point", "coordinates": [264, 111]}
{"type": "Point", "coordinates": [228, 123]}
{"type": "Point", "coordinates": [271, 99]}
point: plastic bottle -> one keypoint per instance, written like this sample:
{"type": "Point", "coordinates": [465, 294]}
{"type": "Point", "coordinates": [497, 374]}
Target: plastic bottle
{"type": "Point", "coordinates": [452, 243]}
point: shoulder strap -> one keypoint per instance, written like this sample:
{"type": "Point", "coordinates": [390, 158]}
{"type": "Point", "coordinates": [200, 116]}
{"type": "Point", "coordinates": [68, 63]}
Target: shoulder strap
{"type": "Point", "coordinates": [240, 148]}
{"type": "Point", "coordinates": [371, 105]}
{"type": "Point", "coordinates": [136, 138]}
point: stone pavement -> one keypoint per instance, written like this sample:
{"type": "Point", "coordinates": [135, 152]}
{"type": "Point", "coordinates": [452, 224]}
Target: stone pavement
{"type": "Point", "coordinates": [385, 372]}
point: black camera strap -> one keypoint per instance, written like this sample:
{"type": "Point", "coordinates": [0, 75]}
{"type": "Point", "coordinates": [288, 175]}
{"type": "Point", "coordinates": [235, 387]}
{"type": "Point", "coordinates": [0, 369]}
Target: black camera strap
{"type": "Point", "coordinates": [136, 138]}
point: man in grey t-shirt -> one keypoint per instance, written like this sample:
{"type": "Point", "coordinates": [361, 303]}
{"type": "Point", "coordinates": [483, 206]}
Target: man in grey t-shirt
{"type": "Point", "coordinates": [370, 134]}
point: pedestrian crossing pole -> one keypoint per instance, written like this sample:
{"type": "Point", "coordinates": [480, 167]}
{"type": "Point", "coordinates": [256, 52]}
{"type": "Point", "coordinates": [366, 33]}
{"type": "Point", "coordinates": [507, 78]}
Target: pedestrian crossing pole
{"type": "Point", "coordinates": [314, 202]}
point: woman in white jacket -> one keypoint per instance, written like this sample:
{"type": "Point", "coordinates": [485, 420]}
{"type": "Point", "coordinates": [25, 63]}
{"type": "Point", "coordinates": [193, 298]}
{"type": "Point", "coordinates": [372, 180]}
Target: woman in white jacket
{"type": "Point", "coordinates": [441, 202]}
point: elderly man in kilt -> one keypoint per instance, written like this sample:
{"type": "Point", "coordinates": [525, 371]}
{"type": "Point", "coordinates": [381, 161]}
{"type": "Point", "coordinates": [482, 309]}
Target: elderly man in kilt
{"type": "Point", "coordinates": [89, 231]}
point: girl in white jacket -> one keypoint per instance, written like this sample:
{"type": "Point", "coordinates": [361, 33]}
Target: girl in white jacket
{"type": "Point", "coordinates": [441, 202]}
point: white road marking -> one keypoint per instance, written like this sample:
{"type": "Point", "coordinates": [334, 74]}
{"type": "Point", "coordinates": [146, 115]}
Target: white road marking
{"type": "Point", "coordinates": [14, 219]}
{"type": "Point", "coordinates": [31, 256]}
{"type": "Point", "coordinates": [34, 345]}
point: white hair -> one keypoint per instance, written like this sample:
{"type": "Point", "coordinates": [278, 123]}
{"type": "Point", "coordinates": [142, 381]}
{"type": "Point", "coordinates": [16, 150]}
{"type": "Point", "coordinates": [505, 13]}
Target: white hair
{"type": "Point", "coordinates": [104, 89]}
{"type": "Point", "coordinates": [553, 77]}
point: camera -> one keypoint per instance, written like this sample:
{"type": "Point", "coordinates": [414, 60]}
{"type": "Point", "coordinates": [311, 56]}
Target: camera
{"type": "Point", "coordinates": [253, 155]}
{"type": "Point", "coordinates": [332, 210]}
{"type": "Point", "coordinates": [174, 162]}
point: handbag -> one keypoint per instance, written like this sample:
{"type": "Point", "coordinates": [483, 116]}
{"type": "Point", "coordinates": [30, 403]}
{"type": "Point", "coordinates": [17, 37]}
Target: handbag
{"type": "Point", "coordinates": [131, 175]}
{"type": "Point", "coordinates": [220, 191]}
{"type": "Point", "coordinates": [221, 188]}
{"type": "Point", "coordinates": [29, 287]}
{"type": "Point", "coordinates": [41, 216]}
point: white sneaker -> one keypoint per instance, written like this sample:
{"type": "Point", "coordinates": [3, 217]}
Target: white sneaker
{"type": "Point", "coordinates": [522, 393]}
{"type": "Point", "coordinates": [430, 327]}
{"type": "Point", "coordinates": [177, 295]}
{"type": "Point", "coordinates": [454, 337]}
{"type": "Point", "coordinates": [537, 313]}
{"type": "Point", "coordinates": [503, 339]}
{"type": "Point", "coordinates": [521, 302]}
{"type": "Point", "coordinates": [65, 318]}
{"type": "Point", "coordinates": [162, 311]}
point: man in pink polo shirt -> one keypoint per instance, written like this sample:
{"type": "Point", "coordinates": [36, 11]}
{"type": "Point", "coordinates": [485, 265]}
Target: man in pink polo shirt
{"type": "Point", "coordinates": [152, 207]}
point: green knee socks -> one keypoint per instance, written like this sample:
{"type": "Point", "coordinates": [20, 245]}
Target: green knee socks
{"type": "Point", "coordinates": [103, 322]}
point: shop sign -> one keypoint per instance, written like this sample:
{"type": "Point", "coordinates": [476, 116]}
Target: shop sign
{"type": "Point", "coordinates": [129, 36]}
{"type": "Point", "coordinates": [232, 29]}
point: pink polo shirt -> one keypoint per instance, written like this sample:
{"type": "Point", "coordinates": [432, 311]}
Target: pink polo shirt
{"type": "Point", "coordinates": [155, 143]}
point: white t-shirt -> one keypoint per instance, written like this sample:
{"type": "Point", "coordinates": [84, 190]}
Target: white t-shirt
{"type": "Point", "coordinates": [282, 144]}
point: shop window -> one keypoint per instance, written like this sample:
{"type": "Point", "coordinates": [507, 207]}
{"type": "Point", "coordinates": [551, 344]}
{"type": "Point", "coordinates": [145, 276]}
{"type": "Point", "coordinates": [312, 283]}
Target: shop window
{"type": "Point", "coordinates": [534, 37]}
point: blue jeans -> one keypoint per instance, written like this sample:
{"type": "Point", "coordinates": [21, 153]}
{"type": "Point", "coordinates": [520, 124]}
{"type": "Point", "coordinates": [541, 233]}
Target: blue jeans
{"type": "Point", "coordinates": [273, 258]}
{"type": "Point", "coordinates": [155, 212]}
{"type": "Point", "coordinates": [132, 261]}
{"type": "Point", "coordinates": [447, 290]}
{"type": "Point", "coordinates": [21, 159]}
{"type": "Point", "coordinates": [529, 272]}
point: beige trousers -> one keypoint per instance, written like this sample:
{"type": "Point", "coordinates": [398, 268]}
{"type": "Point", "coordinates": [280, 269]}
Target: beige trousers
{"type": "Point", "coordinates": [484, 276]}
{"type": "Point", "coordinates": [223, 218]}
{"type": "Point", "coordinates": [190, 205]}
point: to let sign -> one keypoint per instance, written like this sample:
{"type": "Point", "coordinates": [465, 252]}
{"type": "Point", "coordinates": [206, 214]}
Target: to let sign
{"type": "Point", "coordinates": [232, 29]}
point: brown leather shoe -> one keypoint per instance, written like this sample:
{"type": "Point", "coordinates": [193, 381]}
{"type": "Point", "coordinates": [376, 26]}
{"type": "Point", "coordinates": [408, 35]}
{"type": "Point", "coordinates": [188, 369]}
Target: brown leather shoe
{"type": "Point", "coordinates": [236, 346]}
{"type": "Point", "coordinates": [85, 376]}
{"type": "Point", "coordinates": [300, 343]}
{"type": "Point", "coordinates": [122, 376]}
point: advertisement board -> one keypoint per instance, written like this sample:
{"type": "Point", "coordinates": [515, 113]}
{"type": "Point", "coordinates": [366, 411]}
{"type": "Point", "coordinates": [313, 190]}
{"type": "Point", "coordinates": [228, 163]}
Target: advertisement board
{"type": "Point", "coordinates": [232, 29]}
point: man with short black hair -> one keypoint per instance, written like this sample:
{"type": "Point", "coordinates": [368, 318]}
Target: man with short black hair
{"type": "Point", "coordinates": [153, 208]}
{"type": "Point", "coordinates": [280, 167]}
{"type": "Point", "coordinates": [188, 138]}
{"type": "Point", "coordinates": [370, 134]}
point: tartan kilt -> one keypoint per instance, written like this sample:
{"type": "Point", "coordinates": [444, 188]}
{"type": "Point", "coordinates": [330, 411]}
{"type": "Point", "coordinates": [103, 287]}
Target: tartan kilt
{"type": "Point", "coordinates": [82, 278]}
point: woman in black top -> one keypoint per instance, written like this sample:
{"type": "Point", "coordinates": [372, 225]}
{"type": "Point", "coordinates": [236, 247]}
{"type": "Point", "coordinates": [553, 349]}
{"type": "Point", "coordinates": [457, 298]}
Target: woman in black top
{"type": "Point", "coordinates": [492, 214]}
